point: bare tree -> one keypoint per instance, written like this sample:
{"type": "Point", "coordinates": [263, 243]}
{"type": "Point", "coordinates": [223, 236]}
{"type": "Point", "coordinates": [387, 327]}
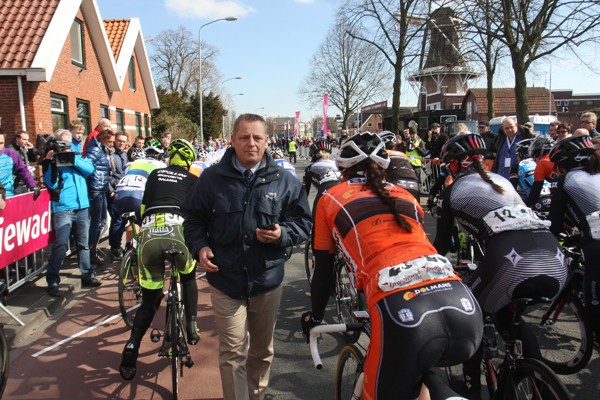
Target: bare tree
{"type": "Point", "coordinates": [175, 61]}
{"type": "Point", "coordinates": [531, 30]}
{"type": "Point", "coordinates": [348, 70]}
{"type": "Point", "coordinates": [390, 30]}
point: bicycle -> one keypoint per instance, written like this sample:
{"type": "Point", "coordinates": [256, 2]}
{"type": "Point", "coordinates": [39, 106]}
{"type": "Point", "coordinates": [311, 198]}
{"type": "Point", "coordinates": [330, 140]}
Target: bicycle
{"type": "Point", "coordinates": [347, 298]}
{"type": "Point", "coordinates": [516, 377]}
{"type": "Point", "coordinates": [174, 344]}
{"type": "Point", "coordinates": [129, 288]}
{"type": "Point", "coordinates": [349, 375]}
{"type": "Point", "coordinates": [564, 334]}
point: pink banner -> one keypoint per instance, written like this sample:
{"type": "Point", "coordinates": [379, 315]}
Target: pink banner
{"type": "Point", "coordinates": [325, 104]}
{"type": "Point", "coordinates": [24, 226]}
{"type": "Point", "coordinates": [296, 125]}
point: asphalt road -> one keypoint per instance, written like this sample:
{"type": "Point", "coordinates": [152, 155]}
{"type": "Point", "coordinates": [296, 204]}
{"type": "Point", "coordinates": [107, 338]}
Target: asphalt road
{"type": "Point", "coordinates": [75, 354]}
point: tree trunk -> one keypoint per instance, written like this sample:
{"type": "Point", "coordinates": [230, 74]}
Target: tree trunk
{"type": "Point", "coordinates": [396, 99]}
{"type": "Point", "coordinates": [490, 96]}
{"type": "Point", "coordinates": [522, 105]}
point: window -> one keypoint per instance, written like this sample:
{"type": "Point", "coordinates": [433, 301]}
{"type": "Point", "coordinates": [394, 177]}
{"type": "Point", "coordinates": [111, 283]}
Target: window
{"type": "Point", "coordinates": [138, 124]}
{"type": "Point", "coordinates": [132, 74]}
{"type": "Point", "coordinates": [558, 103]}
{"type": "Point", "coordinates": [83, 114]}
{"type": "Point", "coordinates": [104, 111]}
{"type": "Point", "coordinates": [77, 51]}
{"type": "Point", "coordinates": [146, 125]}
{"type": "Point", "coordinates": [120, 120]}
{"type": "Point", "coordinates": [59, 109]}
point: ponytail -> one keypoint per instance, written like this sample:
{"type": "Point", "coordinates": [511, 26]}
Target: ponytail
{"type": "Point", "coordinates": [592, 166]}
{"type": "Point", "coordinates": [478, 165]}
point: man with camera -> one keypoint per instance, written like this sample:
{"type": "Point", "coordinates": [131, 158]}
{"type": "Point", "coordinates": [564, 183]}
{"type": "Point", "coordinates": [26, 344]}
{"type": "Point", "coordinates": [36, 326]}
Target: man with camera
{"type": "Point", "coordinates": [64, 175]}
{"type": "Point", "coordinates": [414, 148]}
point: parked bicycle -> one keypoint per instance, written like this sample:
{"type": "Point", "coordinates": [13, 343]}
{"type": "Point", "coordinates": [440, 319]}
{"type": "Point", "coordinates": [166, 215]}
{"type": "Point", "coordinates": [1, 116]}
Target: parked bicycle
{"type": "Point", "coordinates": [174, 345]}
{"type": "Point", "coordinates": [561, 327]}
{"type": "Point", "coordinates": [516, 377]}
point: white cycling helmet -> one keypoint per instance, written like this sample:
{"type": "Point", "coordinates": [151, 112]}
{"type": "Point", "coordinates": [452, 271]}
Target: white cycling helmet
{"type": "Point", "coordinates": [360, 147]}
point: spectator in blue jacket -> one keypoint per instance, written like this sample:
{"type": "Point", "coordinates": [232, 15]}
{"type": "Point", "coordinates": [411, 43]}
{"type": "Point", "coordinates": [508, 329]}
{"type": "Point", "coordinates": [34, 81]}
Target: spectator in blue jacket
{"type": "Point", "coordinates": [100, 154]}
{"type": "Point", "coordinates": [70, 205]}
{"type": "Point", "coordinates": [11, 165]}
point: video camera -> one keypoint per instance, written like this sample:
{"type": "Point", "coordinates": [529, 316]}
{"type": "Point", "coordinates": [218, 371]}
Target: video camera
{"type": "Point", "coordinates": [63, 156]}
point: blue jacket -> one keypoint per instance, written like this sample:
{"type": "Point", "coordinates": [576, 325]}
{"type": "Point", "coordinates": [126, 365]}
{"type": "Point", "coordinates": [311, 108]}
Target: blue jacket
{"type": "Point", "coordinates": [223, 212]}
{"type": "Point", "coordinates": [11, 165]}
{"type": "Point", "coordinates": [99, 180]}
{"type": "Point", "coordinates": [74, 194]}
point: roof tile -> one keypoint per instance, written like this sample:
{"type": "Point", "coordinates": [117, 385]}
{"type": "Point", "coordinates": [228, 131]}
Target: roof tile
{"type": "Point", "coordinates": [24, 23]}
{"type": "Point", "coordinates": [116, 30]}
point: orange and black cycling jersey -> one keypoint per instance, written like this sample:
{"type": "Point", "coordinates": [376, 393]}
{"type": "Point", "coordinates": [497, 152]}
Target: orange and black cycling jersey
{"type": "Point", "coordinates": [352, 219]}
{"type": "Point", "coordinates": [544, 170]}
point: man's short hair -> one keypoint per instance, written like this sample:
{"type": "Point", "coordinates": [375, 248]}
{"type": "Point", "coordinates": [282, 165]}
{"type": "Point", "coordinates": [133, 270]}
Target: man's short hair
{"type": "Point", "coordinates": [249, 117]}
{"type": "Point", "coordinates": [483, 123]}
{"type": "Point", "coordinates": [590, 115]}
{"type": "Point", "coordinates": [435, 125]}
{"type": "Point", "coordinates": [75, 123]}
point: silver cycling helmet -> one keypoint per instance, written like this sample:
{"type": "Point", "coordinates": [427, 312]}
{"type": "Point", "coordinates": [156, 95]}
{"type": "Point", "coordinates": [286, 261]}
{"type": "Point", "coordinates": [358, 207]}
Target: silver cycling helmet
{"type": "Point", "coordinates": [360, 147]}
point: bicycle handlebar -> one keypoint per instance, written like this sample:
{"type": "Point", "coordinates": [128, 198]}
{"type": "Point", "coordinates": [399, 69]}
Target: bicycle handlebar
{"type": "Point", "coordinates": [333, 328]}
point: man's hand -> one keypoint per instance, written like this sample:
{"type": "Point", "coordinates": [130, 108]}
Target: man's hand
{"type": "Point", "coordinates": [269, 236]}
{"type": "Point", "coordinates": [36, 193]}
{"type": "Point", "coordinates": [308, 322]}
{"type": "Point", "coordinates": [204, 255]}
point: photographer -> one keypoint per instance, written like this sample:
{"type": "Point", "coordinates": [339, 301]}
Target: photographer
{"type": "Point", "coordinates": [414, 148]}
{"type": "Point", "coordinates": [70, 205]}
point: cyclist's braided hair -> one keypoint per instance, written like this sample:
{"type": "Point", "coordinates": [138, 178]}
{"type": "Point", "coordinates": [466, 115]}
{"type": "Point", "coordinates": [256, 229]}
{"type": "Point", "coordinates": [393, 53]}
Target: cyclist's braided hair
{"type": "Point", "coordinates": [478, 165]}
{"type": "Point", "coordinates": [375, 176]}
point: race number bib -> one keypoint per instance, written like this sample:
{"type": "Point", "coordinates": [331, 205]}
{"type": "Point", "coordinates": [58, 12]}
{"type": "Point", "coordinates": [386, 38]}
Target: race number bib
{"type": "Point", "coordinates": [415, 271]}
{"type": "Point", "coordinates": [133, 181]}
{"type": "Point", "coordinates": [512, 218]}
{"type": "Point", "coordinates": [593, 220]}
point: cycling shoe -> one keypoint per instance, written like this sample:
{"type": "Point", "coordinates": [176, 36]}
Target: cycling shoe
{"type": "Point", "coordinates": [128, 361]}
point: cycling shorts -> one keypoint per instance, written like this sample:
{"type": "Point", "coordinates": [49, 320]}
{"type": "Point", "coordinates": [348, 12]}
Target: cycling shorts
{"type": "Point", "coordinates": [126, 201]}
{"type": "Point", "coordinates": [437, 324]}
{"type": "Point", "coordinates": [513, 257]}
{"type": "Point", "coordinates": [154, 241]}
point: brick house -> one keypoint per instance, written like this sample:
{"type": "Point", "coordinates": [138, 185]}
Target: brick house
{"type": "Point", "coordinates": [475, 102]}
{"type": "Point", "coordinates": [60, 61]}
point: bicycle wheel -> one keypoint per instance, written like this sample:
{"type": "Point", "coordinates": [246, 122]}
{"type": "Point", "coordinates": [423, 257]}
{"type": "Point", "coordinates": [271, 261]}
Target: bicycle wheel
{"type": "Point", "coordinates": [563, 333]}
{"type": "Point", "coordinates": [174, 328]}
{"type": "Point", "coordinates": [4, 360]}
{"type": "Point", "coordinates": [130, 291]}
{"type": "Point", "coordinates": [347, 300]}
{"type": "Point", "coordinates": [534, 380]}
{"type": "Point", "coordinates": [309, 262]}
{"type": "Point", "coordinates": [349, 369]}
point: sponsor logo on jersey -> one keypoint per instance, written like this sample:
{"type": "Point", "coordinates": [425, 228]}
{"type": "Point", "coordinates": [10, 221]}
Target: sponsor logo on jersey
{"type": "Point", "coordinates": [436, 287]}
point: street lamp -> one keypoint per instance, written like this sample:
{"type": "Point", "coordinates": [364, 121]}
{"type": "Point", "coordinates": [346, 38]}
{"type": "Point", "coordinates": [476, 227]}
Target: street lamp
{"type": "Point", "coordinates": [226, 80]}
{"type": "Point", "coordinates": [200, 71]}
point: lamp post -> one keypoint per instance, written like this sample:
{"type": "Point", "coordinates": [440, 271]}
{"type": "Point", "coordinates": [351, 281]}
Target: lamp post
{"type": "Point", "coordinates": [200, 71]}
{"type": "Point", "coordinates": [226, 80]}
{"type": "Point", "coordinates": [227, 114]}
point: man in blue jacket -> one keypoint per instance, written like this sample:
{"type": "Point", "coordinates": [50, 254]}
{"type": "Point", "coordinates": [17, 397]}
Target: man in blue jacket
{"type": "Point", "coordinates": [70, 205]}
{"type": "Point", "coordinates": [242, 214]}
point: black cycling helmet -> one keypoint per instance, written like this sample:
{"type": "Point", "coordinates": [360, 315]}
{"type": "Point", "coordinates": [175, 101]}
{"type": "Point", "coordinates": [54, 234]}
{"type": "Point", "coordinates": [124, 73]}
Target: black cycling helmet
{"type": "Point", "coordinates": [321, 145]}
{"type": "Point", "coordinates": [572, 152]}
{"type": "Point", "coordinates": [522, 148]}
{"type": "Point", "coordinates": [388, 137]}
{"type": "Point", "coordinates": [461, 146]}
{"type": "Point", "coordinates": [181, 152]}
{"type": "Point", "coordinates": [361, 146]}
{"type": "Point", "coordinates": [540, 146]}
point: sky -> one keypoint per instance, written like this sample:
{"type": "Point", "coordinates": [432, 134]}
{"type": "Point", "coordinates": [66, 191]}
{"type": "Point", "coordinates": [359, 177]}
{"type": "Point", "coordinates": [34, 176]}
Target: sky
{"type": "Point", "coordinates": [272, 43]}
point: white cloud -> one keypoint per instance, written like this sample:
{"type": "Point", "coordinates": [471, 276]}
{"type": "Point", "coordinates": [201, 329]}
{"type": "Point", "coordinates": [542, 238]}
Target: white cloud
{"type": "Point", "coordinates": [209, 8]}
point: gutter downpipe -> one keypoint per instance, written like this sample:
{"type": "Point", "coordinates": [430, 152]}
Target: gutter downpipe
{"type": "Point", "coordinates": [21, 102]}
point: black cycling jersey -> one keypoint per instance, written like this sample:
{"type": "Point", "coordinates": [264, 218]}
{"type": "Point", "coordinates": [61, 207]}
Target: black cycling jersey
{"type": "Point", "coordinates": [166, 189]}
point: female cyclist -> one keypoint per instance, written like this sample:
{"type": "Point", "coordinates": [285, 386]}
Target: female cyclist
{"type": "Point", "coordinates": [522, 258]}
{"type": "Point", "coordinates": [577, 197]}
{"type": "Point", "coordinates": [421, 313]}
